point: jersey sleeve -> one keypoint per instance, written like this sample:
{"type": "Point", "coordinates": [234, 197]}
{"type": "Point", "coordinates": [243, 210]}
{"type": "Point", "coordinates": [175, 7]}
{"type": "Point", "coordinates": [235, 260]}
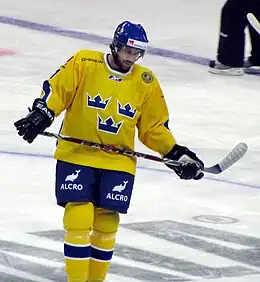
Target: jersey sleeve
{"type": "Point", "coordinates": [152, 125]}
{"type": "Point", "coordinates": [58, 91]}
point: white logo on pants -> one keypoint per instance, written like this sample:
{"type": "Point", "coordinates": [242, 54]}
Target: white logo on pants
{"type": "Point", "coordinates": [72, 177]}
{"type": "Point", "coordinates": [119, 189]}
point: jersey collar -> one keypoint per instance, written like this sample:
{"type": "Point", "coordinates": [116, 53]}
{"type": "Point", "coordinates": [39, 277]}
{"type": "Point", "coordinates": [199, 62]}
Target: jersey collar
{"type": "Point", "coordinates": [114, 71]}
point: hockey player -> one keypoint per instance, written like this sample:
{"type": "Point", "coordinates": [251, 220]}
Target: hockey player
{"type": "Point", "coordinates": [105, 96]}
{"type": "Point", "coordinates": [230, 57]}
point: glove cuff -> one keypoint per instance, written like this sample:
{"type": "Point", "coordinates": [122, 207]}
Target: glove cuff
{"type": "Point", "coordinates": [40, 106]}
{"type": "Point", "coordinates": [176, 152]}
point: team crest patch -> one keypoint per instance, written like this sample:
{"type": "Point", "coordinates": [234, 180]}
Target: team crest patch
{"type": "Point", "coordinates": [147, 77]}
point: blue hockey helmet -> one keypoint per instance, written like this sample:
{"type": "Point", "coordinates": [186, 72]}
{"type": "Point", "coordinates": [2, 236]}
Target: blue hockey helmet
{"type": "Point", "coordinates": [129, 34]}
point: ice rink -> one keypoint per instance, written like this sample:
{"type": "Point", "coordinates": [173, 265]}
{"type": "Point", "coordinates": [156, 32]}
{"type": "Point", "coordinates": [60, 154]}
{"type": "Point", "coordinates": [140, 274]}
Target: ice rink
{"type": "Point", "coordinates": [175, 230]}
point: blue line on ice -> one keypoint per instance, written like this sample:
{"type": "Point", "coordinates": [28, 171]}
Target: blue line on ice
{"type": "Point", "coordinates": [99, 39]}
{"type": "Point", "coordinates": [21, 154]}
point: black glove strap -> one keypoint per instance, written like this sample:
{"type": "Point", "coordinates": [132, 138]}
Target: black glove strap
{"type": "Point", "coordinates": [40, 106]}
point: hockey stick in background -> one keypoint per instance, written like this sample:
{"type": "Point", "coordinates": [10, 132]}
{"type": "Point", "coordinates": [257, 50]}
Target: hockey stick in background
{"type": "Point", "coordinates": [254, 22]}
{"type": "Point", "coordinates": [236, 153]}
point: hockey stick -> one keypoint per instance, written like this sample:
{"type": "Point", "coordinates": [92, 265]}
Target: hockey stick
{"type": "Point", "coordinates": [254, 22]}
{"type": "Point", "coordinates": [236, 154]}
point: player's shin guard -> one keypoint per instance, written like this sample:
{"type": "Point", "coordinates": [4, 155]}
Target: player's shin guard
{"type": "Point", "coordinates": [102, 243]}
{"type": "Point", "coordinates": [77, 221]}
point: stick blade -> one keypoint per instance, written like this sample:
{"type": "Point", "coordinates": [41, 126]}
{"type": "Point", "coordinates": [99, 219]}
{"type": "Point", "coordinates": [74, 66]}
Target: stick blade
{"type": "Point", "coordinates": [235, 155]}
{"type": "Point", "coordinates": [254, 22]}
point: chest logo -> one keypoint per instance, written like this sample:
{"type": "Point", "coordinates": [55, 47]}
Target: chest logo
{"type": "Point", "coordinates": [108, 125]}
{"type": "Point", "coordinates": [97, 102]}
{"type": "Point", "coordinates": [126, 110]}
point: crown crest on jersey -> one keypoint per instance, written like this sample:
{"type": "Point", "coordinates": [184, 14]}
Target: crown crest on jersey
{"type": "Point", "coordinates": [126, 110]}
{"type": "Point", "coordinates": [109, 125]}
{"type": "Point", "coordinates": [97, 102]}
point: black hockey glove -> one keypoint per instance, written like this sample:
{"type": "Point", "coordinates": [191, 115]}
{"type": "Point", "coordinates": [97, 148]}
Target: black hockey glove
{"type": "Point", "coordinates": [39, 118]}
{"type": "Point", "coordinates": [192, 166]}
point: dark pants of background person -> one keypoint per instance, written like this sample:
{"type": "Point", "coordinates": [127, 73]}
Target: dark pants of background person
{"type": "Point", "coordinates": [231, 46]}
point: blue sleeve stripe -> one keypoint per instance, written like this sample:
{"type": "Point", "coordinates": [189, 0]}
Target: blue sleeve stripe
{"type": "Point", "coordinates": [46, 90]}
{"type": "Point", "coordinates": [101, 255]}
{"type": "Point", "coordinates": [76, 251]}
{"type": "Point", "coordinates": [166, 124]}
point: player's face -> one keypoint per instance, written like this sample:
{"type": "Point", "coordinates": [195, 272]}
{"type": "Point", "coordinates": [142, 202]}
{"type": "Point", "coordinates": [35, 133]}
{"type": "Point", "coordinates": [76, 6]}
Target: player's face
{"type": "Point", "coordinates": [127, 56]}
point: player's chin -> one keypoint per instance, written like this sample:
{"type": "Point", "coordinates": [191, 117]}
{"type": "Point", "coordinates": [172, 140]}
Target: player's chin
{"type": "Point", "coordinates": [126, 66]}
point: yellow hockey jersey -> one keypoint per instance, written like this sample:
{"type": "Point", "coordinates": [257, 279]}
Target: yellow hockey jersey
{"type": "Point", "coordinates": [106, 106]}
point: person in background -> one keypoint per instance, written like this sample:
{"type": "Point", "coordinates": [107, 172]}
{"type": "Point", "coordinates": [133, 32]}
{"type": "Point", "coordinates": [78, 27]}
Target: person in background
{"type": "Point", "coordinates": [231, 47]}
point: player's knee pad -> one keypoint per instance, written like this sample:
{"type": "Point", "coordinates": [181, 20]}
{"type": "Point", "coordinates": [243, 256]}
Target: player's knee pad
{"type": "Point", "coordinates": [78, 216]}
{"type": "Point", "coordinates": [105, 221]}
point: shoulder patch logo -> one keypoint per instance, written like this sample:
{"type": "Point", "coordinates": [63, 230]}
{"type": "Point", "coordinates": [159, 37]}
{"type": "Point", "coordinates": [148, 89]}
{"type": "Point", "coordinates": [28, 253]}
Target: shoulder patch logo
{"type": "Point", "coordinates": [147, 77]}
